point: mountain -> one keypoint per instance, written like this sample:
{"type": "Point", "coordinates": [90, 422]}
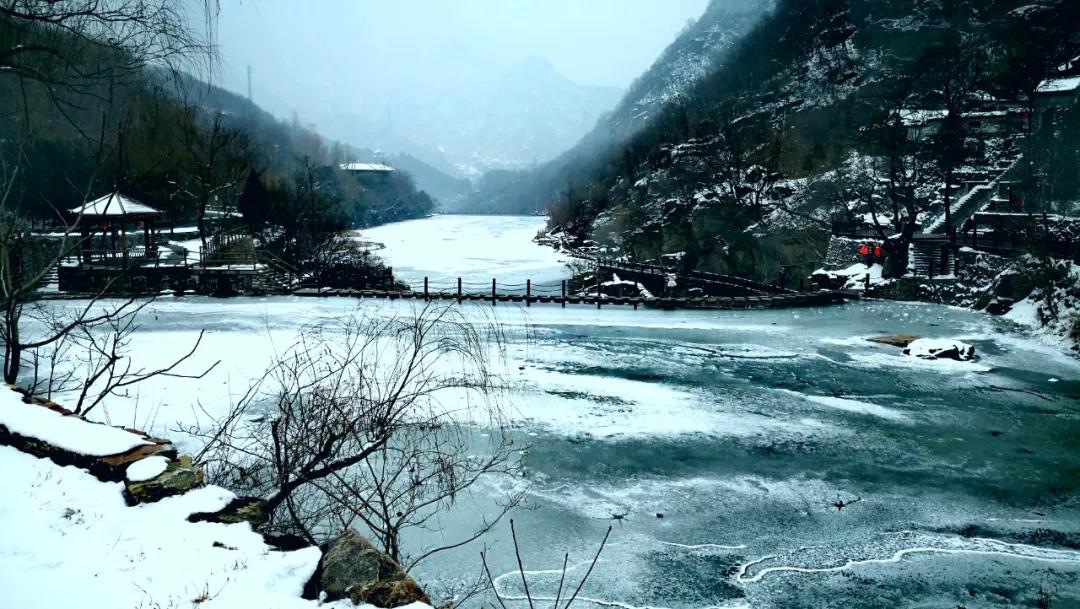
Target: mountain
{"type": "Point", "coordinates": [478, 118]}
{"type": "Point", "coordinates": [696, 51]}
{"type": "Point", "coordinates": [822, 108]}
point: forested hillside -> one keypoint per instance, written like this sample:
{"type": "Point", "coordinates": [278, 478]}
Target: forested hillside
{"type": "Point", "coordinates": [833, 107]}
{"type": "Point", "coordinates": [100, 121]}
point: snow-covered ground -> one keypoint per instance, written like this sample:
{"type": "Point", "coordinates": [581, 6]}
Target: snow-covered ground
{"type": "Point", "coordinates": [69, 540]}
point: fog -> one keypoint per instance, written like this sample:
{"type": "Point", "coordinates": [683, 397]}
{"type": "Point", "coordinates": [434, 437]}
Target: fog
{"type": "Point", "coordinates": [469, 85]}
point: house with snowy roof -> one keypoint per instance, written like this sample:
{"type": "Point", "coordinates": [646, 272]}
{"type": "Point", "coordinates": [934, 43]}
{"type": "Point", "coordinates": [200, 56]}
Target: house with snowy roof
{"type": "Point", "coordinates": [1056, 96]}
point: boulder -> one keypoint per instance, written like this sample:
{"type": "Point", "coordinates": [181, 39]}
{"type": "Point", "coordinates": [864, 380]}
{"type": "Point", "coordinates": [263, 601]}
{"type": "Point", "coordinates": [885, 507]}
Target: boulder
{"type": "Point", "coordinates": [933, 348]}
{"type": "Point", "coordinates": [351, 567]}
{"type": "Point", "coordinates": [897, 340]}
{"type": "Point", "coordinates": [179, 477]}
{"type": "Point", "coordinates": [1000, 305]}
{"type": "Point", "coordinates": [241, 509]}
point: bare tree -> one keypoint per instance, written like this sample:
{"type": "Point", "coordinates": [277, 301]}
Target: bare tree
{"type": "Point", "coordinates": [92, 361]}
{"type": "Point", "coordinates": [367, 421]}
{"type": "Point", "coordinates": [72, 48]}
{"type": "Point", "coordinates": [215, 153]}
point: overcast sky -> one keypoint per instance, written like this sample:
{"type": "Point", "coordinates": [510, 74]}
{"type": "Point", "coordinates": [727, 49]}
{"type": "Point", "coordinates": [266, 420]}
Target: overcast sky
{"type": "Point", "coordinates": [327, 51]}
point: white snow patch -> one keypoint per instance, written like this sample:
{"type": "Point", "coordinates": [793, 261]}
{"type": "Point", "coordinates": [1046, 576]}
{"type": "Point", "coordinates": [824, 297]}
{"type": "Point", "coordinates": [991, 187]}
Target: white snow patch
{"type": "Point", "coordinates": [66, 432]}
{"type": "Point", "coordinates": [856, 275]}
{"type": "Point", "coordinates": [853, 406]}
{"type": "Point", "coordinates": [936, 348]}
{"type": "Point", "coordinates": [147, 469]}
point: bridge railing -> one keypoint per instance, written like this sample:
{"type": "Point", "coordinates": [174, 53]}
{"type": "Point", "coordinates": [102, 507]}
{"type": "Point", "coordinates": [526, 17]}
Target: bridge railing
{"type": "Point", "coordinates": [700, 276]}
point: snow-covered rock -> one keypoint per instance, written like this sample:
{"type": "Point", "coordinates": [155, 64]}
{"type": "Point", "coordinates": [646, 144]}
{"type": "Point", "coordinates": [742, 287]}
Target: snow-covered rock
{"type": "Point", "coordinates": [177, 478]}
{"type": "Point", "coordinates": [69, 433]}
{"type": "Point", "coordinates": [147, 469]}
{"type": "Point", "coordinates": [936, 348]}
{"type": "Point", "coordinates": [852, 278]}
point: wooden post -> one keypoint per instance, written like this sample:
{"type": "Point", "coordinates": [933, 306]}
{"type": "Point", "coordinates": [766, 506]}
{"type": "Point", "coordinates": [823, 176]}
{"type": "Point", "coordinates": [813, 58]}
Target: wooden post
{"type": "Point", "coordinates": [866, 284]}
{"type": "Point", "coordinates": [493, 292]}
{"type": "Point", "coordinates": [564, 293]}
{"type": "Point", "coordinates": [459, 290]}
{"type": "Point", "coordinates": [425, 289]}
{"type": "Point", "coordinates": [528, 292]}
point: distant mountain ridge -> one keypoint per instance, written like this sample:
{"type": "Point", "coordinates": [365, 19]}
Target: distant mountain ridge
{"type": "Point", "coordinates": [487, 119]}
{"type": "Point", "coordinates": [697, 50]}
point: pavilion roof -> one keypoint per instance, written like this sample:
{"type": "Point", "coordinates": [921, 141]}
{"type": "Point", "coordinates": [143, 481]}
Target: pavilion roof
{"type": "Point", "coordinates": [114, 205]}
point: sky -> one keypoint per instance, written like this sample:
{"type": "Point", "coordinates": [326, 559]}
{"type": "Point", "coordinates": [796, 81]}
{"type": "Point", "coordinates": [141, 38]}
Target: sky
{"type": "Point", "coordinates": [328, 51]}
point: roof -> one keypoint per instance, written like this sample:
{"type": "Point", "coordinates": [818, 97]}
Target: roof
{"type": "Point", "coordinates": [367, 167]}
{"type": "Point", "coordinates": [114, 205]}
{"type": "Point", "coordinates": [1059, 85]}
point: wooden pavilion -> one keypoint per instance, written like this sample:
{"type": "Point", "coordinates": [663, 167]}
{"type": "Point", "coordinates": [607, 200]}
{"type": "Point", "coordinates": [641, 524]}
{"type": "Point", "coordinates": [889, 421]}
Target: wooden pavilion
{"type": "Point", "coordinates": [104, 224]}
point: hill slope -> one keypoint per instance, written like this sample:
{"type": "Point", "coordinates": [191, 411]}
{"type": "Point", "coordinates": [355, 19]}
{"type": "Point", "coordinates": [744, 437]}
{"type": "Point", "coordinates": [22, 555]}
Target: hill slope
{"type": "Point", "coordinates": [693, 54]}
{"type": "Point", "coordinates": [743, 170]}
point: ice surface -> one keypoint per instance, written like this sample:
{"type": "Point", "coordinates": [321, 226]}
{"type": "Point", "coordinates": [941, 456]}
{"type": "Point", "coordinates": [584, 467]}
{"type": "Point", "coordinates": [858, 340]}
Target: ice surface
{"type": "Point", "coordinates": [476, 248]}
{"type": "Point", "coordinates": [742, 427]}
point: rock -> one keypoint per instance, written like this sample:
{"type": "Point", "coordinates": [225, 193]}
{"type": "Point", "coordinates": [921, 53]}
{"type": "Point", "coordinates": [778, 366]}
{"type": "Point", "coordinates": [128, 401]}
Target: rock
{"type": "Point", "coordinates": [241, 509]}
{"type": "Point", "coordinates": [178, 478]}
{"type": "Point", "coordinates": [114, 467]}
{"type": "Point", "coordinates": [352, 567]}
{"type": "Point", "coordinates": [898, 340]}
{"type": "Point", "coordinates": [932, 348]}
{"type": "Point", "coordinates": [1000, 305]}
{"type": "Point", "coordinates": [111, 468]}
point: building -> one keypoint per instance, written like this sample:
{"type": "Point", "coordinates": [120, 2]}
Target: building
{"type": "Point", "coordinates": [1055, 97]}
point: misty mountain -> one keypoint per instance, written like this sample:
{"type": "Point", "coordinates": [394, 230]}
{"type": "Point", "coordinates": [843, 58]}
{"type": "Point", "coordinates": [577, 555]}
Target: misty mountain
{"type": "Point", "coordinates": [699, 48]}
{"type": "Point", "coordinates": [479, 120]}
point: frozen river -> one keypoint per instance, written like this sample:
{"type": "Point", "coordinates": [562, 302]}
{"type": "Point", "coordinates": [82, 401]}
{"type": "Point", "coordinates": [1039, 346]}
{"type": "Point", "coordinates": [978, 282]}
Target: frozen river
{"type": "Point", "coordinates": [740, 429]}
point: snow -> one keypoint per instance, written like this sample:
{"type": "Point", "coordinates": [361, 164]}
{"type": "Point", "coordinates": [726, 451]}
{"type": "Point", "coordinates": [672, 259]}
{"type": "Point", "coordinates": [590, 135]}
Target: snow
{"type": "Point", "coordinates": [69, 540]}
{"type": "Point", "coordinates": [367, 167]}
{"type": "Point", "coordinates": [114, 205]}
{"type": "Point", "coordinates": [1059, 85]}
{"type": "Point", "coordinates": [67, 432]}
{"type": "Point", "coordinates": [931, 348]}
{"type": "Point", "coordinates": [147, 468]}
{"type": "Point", "coordinates": [1025, 313]}
{"type": "Point", "coordinates": [854, 406]}
{"type": "Point", "coordinates": [856, 275]}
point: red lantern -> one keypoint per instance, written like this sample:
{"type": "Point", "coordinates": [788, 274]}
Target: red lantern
{"type": "Point", "coordinates": [877, 251]}
{"type": "Point", "coordinates": [864, 249]}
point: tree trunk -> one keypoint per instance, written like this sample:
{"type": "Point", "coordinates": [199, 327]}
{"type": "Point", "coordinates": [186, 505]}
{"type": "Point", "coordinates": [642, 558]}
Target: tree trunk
{"type": "Point", "coordinates": [12, 347]}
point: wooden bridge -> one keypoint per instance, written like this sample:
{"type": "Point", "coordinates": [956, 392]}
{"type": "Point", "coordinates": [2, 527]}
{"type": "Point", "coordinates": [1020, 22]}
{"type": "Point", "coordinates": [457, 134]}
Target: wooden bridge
{"type": "Point", "coordinates": [558, 294]}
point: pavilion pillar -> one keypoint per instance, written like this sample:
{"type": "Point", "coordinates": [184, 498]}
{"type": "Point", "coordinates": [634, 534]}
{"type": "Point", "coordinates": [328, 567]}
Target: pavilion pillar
{"type": "Point", "coordinates": [84, 244]}
{"type": "Point", "coordinates": [123, 241]}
